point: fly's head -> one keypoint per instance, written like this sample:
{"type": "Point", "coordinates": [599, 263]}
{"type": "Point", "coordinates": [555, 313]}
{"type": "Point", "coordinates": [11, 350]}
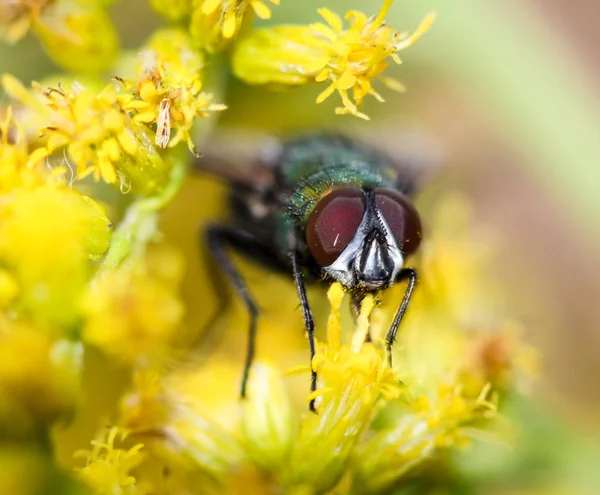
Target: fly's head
{"type": "Point", "coordinates": [360, 237]}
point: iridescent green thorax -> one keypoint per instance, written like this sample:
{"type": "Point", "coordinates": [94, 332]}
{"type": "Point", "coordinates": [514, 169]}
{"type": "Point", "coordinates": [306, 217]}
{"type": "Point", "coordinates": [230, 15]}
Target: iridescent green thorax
{"type": "Point", "coordinates": [315, 166]}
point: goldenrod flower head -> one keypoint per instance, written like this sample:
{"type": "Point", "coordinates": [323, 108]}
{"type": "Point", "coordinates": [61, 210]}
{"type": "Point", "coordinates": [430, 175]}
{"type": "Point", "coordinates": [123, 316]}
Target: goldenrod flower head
{"type": "Point", "coordinates": [429, 425]}
{"type": "Point", "coordinates": [165, 414]}
{"type": "Point", "coordinates": [98, 134]}
{"type": "Point", "coordinates": [107, 469]}
{"type": "Point", "coordinates": [39, 376]}
{"type": "Point", "coordinates": [354, 380]}
{"type": "Point", "coordinates": [349, 59]}
{"type": "Point", "coordinates": [174, 10]}
{"type": "Point", "coordinates": [9, 289]}
{"type": "Point", "coordinates": [268, 422]}
{"type": "Point", "coordinates": [16, 17]}
{"type": "Point", "coordinates": [19, 167]}
{"type": "Point", "coordinates": [169, 94]}
{"type": "Point", "coordinates": [48, 235]}
{"type": "Point", "coordinates": [132, 312]}
{"type": "Point", "coordinates": [215, 23]}
{"type": "Point", "coordinates": [77, 34]}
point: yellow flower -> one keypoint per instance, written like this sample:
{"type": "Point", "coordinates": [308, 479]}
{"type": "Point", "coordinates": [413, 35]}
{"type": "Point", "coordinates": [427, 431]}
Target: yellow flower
{"type": "Point", "coordinates": [16, 17]}
{"type": "Point", "coordinates": [47, 237]}
{"type": "Point", "coordinates": [39, 376]}
{"type": "Point", "coordinates": [355, 381]}
{"type": "Point", "coordinates": [98, 134]}
{"type": "Point", "coordinates": [77, 34]}
{"type": "Point", "coordinates": [428, 425]}
{"type": "Point", "coordinates": [350, 59]}
{"type": "Point", "coordinates": [174, 428]}
{"type": "Point", "coordinates": [169, 95]}
{"type": "Point", "coordinates": [132, 312]}
{"type": "Point", "coordinates": [108, 469]}
{"type": "Point", "coordinates": [19, 167]}
{"type": "Point", "coordinates": [174, 10]}
{"type": "Point", "coordinates": [216, 22]}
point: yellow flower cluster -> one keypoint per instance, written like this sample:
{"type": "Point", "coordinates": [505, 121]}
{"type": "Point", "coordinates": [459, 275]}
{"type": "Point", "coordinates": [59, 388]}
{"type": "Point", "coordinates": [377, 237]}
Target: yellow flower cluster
{"type": "Point", "coordinates": [95, 335]}
{"type": "Point", "coordinates": [77, 34]}
{"type": "Point", "coordinates": [349, 59]}
{"type": "Point", "coordinates": [168, 92]}
{"type": "Point", "coordinates": [214, 23]}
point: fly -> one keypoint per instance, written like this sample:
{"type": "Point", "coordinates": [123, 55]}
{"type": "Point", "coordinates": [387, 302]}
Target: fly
{"type": "Point", "coordinates": [321, 208]}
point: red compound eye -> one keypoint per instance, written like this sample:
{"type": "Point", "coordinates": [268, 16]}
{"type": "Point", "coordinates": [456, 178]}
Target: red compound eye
{"type": "Point", "coordinates": [402, 217]}
{"type": "Point", "coordinates": [333, 223]}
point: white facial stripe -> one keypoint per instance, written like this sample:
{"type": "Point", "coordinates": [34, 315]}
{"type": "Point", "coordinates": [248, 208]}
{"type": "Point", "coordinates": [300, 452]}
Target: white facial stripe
{"type": "Point", "coordinates": [345, 269]}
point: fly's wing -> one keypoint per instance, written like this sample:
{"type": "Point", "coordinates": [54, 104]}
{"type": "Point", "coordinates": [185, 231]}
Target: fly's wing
{"type": "Point", "coordinates": [249, 160]}
{"type": "Point", "coordinates": [244, 159]}
{"type": "Point", "coordinates": [413, 155]}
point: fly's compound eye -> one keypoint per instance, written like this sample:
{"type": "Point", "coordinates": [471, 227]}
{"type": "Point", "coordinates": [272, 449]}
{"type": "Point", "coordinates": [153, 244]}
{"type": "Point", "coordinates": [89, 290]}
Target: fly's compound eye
{"type": "Point", "coordinates": [333, 223]}
{"type": "Point", "coordinates": [402, 218]}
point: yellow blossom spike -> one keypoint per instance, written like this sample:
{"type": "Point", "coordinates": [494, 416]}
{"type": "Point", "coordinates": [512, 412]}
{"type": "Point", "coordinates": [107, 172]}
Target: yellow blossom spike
{"type": "Point", "coordinates": [347, 58]}
{"type": "Point", "coordinates": [107, 468]}
{"type": "Point", "coordinates": [99, 136]}
{"type": "Point", "coordinates": [174, 10]}
{"type": "Point", "coordinates": [215, 23]}
{"type": "Point", "coordinates": [133, 311]}
{"type": "Point", "coordinates": [169, 91]}
{"type": "Point", "coordinates": [78, 35]}
{"type": "Point", "coordinates": [39, 374]}
{"type": "Point", "coordinates": [431, 426]}
{"type": "Point", "coordinates": [268, 425]}
{"type": "Point", "coordinates": [52, 278]}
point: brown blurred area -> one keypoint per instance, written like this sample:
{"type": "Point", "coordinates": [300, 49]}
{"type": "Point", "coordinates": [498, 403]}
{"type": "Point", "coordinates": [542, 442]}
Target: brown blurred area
{"type": "Point", "coordinates": [551, 270]}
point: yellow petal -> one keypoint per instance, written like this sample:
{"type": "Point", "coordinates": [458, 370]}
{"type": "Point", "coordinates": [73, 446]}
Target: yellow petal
{"type": "Point", "coordinates": [326, 94]}
{"type": "Point", "coordinates": [145, 117]}
{"type": "Point", "coordinates": [393, 84]}
{"type": "Point", "coordinates": [324, 30]}
{"type": "Point", "coordinates": [420, 31]}
{"type": "Point", "coordinates": [322, 76]}
{"type": "Point", "coordinates": [37, 156]}
{"type": "Point", "coordinates": [112, 150]}
{"type": "Point", "coordinates": [148, 90]}
{"type": "Point", "coordinates": [261, 10]}
{"type": "Point", "coordinates": [210, 6]}
{"type": "Point", "coordinates": [229, 25]}
{"type": "Point", "coordinates": [128, 142]}
{"type": "Point", "coordinates": [346, 81]}
{"type": "Point", "coordinates": [107, 170]}
{"type": "Point", "coordinates": [331, 18]}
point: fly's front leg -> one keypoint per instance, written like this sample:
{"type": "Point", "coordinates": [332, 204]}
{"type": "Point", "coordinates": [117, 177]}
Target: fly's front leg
{"type": "Point", "coordinates": [309, 322]}
{"type": "Point", "coordinates": [405, 274]}
{"type": "Point", "coordinates": [219, 238]}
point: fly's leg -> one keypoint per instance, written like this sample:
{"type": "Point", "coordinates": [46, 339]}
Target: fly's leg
{"type": "Point", "coordinates": [219, 238]}
{"type": "Point", "coordinates": [405, 274]}
{"type": "Point", "coordinates": [309, 322]}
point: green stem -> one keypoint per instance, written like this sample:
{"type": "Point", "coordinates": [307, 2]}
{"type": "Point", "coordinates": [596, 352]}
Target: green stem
{"type": "Point", "coordinates": [141, 218]}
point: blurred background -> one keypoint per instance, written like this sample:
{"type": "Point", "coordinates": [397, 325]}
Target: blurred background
{"type": "Point", "coordinates": [505, 95]}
